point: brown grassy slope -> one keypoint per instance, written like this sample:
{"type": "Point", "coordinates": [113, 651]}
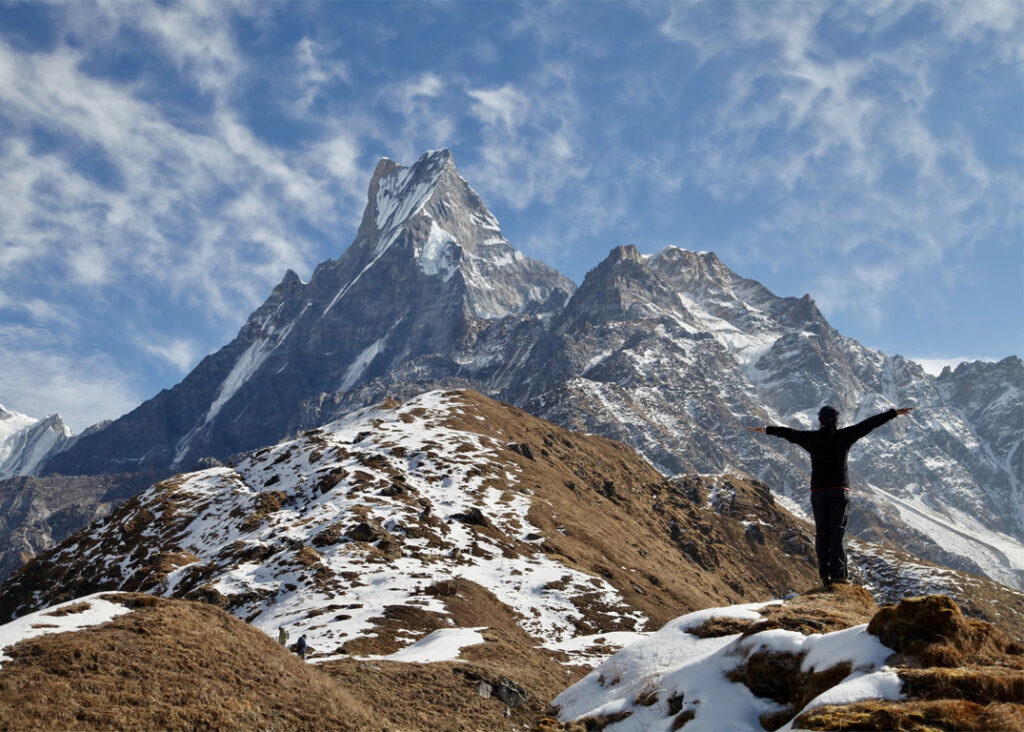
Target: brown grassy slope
{"type": "Point", "coordinates": [604, 510]}
{"type": "Point", "coordinates": [171, 665]}
{"type": "Point", "coordinates": [596, 505]}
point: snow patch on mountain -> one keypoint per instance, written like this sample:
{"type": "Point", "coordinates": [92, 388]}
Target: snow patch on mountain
{"type": "Point", "coordinates": [441, 645]}
{"type": "Point", "coordinates": [439, 255]}
{"type": "Point", "coordinates": [999, 556]}
{"type": "Point", "coordinates": [12, 422]}
{"type": "Point", "coordinates": [366, 356]}
{"type": "Point", "coordinates": [66, 617]}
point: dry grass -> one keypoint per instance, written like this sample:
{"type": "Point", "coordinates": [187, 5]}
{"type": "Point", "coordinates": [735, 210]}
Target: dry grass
{"type": "Point", "coordinates": [981, 684]}
{"type": "Point", "coordinates": [170, 665]}
{"type": "Point", "coordinates": [915, 715]}
{"type": "Point", "coordinates": [932, 631]}
{"type": "Point", "coordinates": [934, 643]}
{"type": "Point", "coordinates": [603, 510]}
{"type": "Point", "coordinates": [821, 610]}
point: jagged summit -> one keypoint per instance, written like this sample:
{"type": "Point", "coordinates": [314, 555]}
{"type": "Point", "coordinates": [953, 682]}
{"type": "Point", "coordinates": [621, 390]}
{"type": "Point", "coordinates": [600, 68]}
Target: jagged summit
{"type": "Point", "coordinates": [428, 214]}
{"type": "Point", "coordinates": [620, 288]}
{"type": "Point", "coordinates": [25, 442]}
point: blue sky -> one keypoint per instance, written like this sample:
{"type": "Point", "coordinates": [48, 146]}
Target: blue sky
{"type": "Point", "coordinates": [163, 164]}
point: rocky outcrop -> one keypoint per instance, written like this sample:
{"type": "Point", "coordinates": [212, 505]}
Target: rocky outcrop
{"type": "Point", "coordinates": [36, 514]}
{"type": "Point", "coordinates": [828, 659]}
{"type": "Point", "coordinates": [956, 674]}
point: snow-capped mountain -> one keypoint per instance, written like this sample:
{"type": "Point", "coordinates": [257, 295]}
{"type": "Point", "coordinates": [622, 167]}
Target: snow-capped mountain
{"type": "Point", "coordinates": [26, 442]}
{"type": "Point", "coordinates": [672, 353]}
{"type": "Point", "coordinates": [427, 265]}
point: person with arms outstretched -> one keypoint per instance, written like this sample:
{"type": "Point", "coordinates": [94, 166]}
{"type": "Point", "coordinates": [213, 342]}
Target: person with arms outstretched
{"type": "Point", "coordinates": [829, 448]}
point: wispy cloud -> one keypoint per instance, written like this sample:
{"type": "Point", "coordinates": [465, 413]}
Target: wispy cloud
{"type": "Point", "coordinates": [182, 354]}
{"type": "Point", "coordinates": [163, 164]}
{"type": "Point", "coordinates": [191, 204]}
{"type": "Point", "coordinates": [530, 145]}
{"type": "Point", "coordinates": [87, 389]}
{"type": "Point", "coordinates": [846, 143]}
{"type": "Point", "coordinates": [935, 366]}
{"type": "Point", "coordinates": [317, 71]}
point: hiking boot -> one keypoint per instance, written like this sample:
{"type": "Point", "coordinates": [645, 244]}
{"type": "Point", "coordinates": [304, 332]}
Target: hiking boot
{"type": "Point", "coordinates": [840, 581]}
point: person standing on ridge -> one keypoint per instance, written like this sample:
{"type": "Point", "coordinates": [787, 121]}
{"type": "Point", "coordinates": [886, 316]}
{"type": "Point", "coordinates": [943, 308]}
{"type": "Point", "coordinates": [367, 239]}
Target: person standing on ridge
{"type": "Point", "coordinates": [282, 636]}
{"type": "Point", "coordinates": [829, 447]}
{"type": "Point", "coordinates": [301, 647]}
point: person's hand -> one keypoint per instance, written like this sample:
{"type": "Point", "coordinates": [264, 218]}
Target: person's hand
{"type": "Point", "coordinates": [904, 410]}
{"type": "Point", "coordinates": [757, 429]}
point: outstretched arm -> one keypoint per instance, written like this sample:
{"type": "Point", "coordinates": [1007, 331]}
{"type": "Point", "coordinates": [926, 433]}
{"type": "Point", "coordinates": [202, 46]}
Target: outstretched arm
{"type": "Point", "coordinates": [797, 437]}
{"type": "Point", "coordinates": [862, 428]}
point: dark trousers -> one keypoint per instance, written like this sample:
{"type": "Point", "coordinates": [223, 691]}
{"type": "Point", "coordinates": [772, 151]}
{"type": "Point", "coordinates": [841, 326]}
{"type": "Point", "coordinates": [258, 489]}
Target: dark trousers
{"type": "Point", "coordinates": [831, 508]}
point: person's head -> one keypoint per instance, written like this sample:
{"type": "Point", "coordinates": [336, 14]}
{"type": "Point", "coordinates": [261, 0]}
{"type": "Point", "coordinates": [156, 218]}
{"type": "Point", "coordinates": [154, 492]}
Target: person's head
{"type": "Point", "coordinates": [828, 417]}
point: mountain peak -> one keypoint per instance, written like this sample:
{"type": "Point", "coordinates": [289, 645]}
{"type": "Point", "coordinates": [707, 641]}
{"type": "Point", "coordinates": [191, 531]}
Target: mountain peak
{"type": "Point", "coordinates": [428, 214]}
{"type": "Point", "coordinates": [25, 442]}
{"type": "Point", "coordinates": [625, 252]}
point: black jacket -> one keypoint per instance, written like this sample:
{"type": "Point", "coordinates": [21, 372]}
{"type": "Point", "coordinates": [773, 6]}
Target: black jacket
{"type": "Point", "coordinates": [830, 448]}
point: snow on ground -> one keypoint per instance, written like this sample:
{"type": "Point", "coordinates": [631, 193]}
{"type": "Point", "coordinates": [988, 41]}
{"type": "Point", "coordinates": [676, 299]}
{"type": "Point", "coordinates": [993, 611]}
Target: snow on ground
{"type": "Point", "coordinates": [277, 572]}
{"type": "Point", "coordinates": [685, 673]}
{"type": "Point", "coordinates": [52, 620]}
{"type": "Point", "coordinates": [441, 645]}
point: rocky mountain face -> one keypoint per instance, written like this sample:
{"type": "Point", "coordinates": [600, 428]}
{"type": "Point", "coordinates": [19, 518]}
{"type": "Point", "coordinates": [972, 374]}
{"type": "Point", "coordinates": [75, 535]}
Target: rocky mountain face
{"type": "Point", "coordinates": [672, 353]}
{"type": "Point", "coordinates": [36, 514]}
{"type": "Point", "coordinates": [26, 443]}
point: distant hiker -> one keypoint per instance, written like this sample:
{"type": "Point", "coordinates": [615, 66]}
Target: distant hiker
{"type": "Point", "coordinates": [300, 647]}
{"type": "Point", "coordinates": [282, 636]}
{"type": "Point", "coordinates": [829, 447]}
